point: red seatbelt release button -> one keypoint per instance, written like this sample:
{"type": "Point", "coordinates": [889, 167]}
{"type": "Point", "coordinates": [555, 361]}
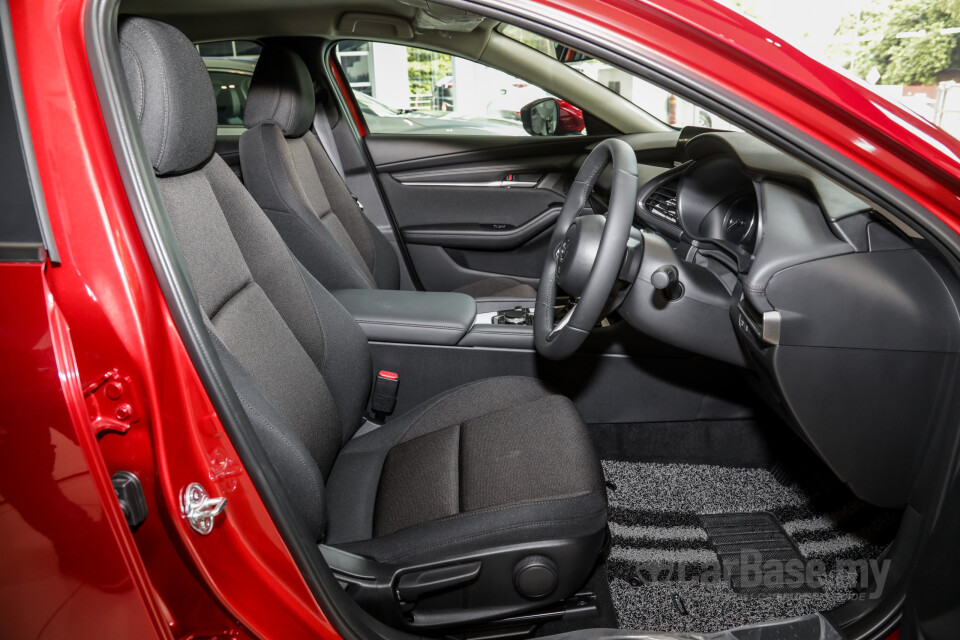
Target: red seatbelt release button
{"type": "Point", "coordinates": [384, 393]}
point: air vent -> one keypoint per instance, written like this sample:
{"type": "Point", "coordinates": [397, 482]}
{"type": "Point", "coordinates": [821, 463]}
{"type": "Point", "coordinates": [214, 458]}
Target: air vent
{"type": "Point", "coordinates": [662, 201]}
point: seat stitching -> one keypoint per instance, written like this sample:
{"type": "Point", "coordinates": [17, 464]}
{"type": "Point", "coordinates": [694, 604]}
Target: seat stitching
{"type": "Point", "coordinates": [274, 110]}
{"type": "Point", "coordinates": [229, 299]}
{"type": "Point", "coordinates": [313, 304]}
{"type": "Point", "coordinates": [318, 488]}
{"type": "Point", "coordinates": [163, 91]}
{"type": "Point", "coordinates": [331, 211]}
{"type": "Point", "coordinates": [342, 249]}
{"type": "Point", "coordinates": [140, 76]}
{"type": "Point", "coordinates": [273, 183]}
{"type": "Point", "coordinates": [440, 399]}
{"type": "Point", "coordinates": [301, 193]}
{"type": "Point", "coordinates": [296, 264]}
{"type": "Point", "coordinates": [300, 220]}
{"type": "Point", "coordinates": [362, 219]}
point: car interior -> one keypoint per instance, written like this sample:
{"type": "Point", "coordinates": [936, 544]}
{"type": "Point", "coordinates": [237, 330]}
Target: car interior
{"type": "Point", "coordinates": [551, 372]}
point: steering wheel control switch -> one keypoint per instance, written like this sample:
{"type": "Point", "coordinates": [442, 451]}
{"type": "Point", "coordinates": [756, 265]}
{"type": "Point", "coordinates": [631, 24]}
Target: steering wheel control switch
{"type": "Point", "coordinates": [517, 316]}
{"type": "Point", "coordinates": [384, 397]}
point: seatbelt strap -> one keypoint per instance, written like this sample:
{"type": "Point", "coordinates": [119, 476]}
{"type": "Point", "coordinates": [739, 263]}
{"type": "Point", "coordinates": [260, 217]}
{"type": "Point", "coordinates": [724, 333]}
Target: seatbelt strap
{"type": "Point", "coordinates": [321, 127]}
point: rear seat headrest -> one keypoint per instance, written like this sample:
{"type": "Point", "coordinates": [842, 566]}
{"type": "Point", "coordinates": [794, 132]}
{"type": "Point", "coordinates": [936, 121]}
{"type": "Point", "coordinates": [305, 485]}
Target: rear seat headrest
{"type": "Point", "coordinates": [281, 93]}
{"type": "Point", "coordinates": [171, 92]}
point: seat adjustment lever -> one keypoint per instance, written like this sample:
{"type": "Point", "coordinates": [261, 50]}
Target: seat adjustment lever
{"type": "Point", "coordinates": [413, 585]}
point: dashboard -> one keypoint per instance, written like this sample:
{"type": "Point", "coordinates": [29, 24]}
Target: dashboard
{"type": "Point", "coordinates": [845, 322]}
{"type": "Point", "coordinates": [710, 200]}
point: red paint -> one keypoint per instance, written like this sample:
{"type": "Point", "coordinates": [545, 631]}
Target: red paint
{"type": "Point", "coordinates": [62, 565]}
{"type": "Point", "coordinates": [571, 118]}
{"type": "Point", "coordinates": [110, 315]}
{"type": "Point", "coordinates": [347, 96]}
{"type": "Point", "coordinates": [102, 310]}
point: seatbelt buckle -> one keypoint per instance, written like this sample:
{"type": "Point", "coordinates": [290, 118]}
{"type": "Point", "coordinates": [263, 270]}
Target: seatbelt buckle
{"type": "Point", "coordinates": [359, 204]}
{"type": "Point", "coordinates": [384, 394]}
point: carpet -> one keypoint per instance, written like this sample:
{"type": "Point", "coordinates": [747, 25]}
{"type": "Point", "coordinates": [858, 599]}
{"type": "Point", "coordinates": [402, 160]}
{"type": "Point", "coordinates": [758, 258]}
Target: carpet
{"type": "Point", "coordinates": [665, 574]}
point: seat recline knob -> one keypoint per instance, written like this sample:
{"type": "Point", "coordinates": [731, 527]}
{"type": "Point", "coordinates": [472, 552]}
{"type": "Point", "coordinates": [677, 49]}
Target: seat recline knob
{"type": "Point", "coordinates": [535, 577]}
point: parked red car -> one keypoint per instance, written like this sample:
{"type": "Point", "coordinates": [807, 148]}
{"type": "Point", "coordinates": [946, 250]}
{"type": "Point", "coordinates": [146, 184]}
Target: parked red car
{"type": "Point", "coordinates": [640, 381]}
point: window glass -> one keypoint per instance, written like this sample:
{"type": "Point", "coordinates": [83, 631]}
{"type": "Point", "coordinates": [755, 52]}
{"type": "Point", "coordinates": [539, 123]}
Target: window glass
{"type": "Point", "coordinates": [230, 89]}
{"type": "Point", "coordinates": [907, 51]}
{"type": "Point", "coordinates": [658, 102]}
{"type": "Point", "coordinates": [223, 49]}
{"type": "Point", "coordinates": [411, 90]}
{"type": "Point", "coordinates": [230, 65]}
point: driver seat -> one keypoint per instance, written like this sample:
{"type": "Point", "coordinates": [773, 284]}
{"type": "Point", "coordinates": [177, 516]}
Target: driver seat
{"type": "Point", "coordinates": [484, 502]}
{"type": "Point", "coordinates": [289, 174]}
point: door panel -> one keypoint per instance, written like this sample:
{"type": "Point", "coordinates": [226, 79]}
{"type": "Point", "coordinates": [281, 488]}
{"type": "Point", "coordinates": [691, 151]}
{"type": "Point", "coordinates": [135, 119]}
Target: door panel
{"type": "Point", "coordinates": [410, 152]}
{"type": "Point", "coordinates": [415, 205]}
{"type": "Point", "coordinates": [471, 207]}
{"type": "Point", "coordinates": [485, 237]}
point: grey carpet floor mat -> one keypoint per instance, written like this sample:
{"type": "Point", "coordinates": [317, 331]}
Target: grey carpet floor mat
{"type": "Point", "coordinates": [663, 569]}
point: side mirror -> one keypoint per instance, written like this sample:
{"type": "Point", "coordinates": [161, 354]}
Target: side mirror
{"type": "Point", "coordinates": [551, 117]}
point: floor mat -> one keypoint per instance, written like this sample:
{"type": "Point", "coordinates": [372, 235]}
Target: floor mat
{"type": "Point", "coordinates": [745, 540]}
{"type": "Point", "coordinates": [665, 575]}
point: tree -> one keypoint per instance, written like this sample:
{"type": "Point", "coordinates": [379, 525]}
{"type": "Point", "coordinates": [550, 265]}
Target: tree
{"type": "Point", "coordinates": [902, 40]}
{"type": "Point", "coordinates": [425, 68]}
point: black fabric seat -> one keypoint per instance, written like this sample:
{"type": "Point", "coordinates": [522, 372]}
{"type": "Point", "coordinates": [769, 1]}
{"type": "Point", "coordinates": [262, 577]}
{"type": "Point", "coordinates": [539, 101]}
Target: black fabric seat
{"type": "Point", "coordinates": [290, 175]}
{"type": "Point", "coordinates": [499, 473]}
{"type": "Point", "coordinates": [460, 470]}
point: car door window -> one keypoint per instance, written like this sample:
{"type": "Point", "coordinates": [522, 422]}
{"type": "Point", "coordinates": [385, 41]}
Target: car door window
{"type": "Point", "coordinates": [230, 64]}
{"type": "Point", "coordinates": [658, 102]}
{"type": "Point", "coordinates": [409, 90]}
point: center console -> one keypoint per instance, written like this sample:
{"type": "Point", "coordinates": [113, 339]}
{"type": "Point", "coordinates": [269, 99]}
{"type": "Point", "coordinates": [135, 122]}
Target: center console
{"type": "Point", "coordinates": [435, 341]}
{"type": "Point", "coordinates": [440, 318]}
{"type": "Point", "coordinates": [518, 316]}
{"type": "Point", "coordinates": [410, 317]}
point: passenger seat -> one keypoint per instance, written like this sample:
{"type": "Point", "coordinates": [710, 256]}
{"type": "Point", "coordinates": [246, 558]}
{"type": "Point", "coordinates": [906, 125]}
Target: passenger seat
{"type": "Point", "coordinates": [289, 174]}
{"type": "Point", "coordinates": [485, 502]}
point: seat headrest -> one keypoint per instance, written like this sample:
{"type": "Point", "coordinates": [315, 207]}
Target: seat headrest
{"type": "Point", "coordinates": [281, 93]}
{"type": "Point", "coordinates": [171, 92]}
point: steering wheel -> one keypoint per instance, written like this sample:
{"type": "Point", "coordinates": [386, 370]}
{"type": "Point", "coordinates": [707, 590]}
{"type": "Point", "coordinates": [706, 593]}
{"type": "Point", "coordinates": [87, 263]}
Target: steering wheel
{"type": "Point", "coordinates": [586, 252]}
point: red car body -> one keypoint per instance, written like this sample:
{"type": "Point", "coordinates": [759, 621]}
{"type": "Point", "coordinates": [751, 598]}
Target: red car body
{"type": "Point", "coordinates": [98, 321]}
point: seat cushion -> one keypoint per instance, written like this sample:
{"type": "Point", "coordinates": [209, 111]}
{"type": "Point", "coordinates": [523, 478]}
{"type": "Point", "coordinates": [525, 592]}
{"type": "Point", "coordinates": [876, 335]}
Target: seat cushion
{"type": "Point", "coordinates": [498, 461]}
{"type": "Point", "coordinates": [498, 288]}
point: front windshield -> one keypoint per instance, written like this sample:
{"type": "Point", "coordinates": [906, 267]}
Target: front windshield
{"type": "Point", "coordinates": [908, 51]}
{"type": "Point", "coordinates": [659, 103]}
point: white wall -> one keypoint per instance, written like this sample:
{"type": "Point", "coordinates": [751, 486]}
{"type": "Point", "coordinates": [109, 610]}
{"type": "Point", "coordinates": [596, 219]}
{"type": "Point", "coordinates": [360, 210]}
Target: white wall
{"type": "Point", "coordinates": [388, 74]}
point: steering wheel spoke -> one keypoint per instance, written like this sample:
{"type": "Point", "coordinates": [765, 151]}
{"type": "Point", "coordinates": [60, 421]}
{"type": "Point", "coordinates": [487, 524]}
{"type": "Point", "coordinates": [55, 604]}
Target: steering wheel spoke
{"type": "Point", "coordinates": [587, 252]}
{"type": "Point", "coordinates": [563, 323]}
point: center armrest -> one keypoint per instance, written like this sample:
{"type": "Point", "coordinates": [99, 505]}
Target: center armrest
{"type": "Point", "coordinates": [414, 317]}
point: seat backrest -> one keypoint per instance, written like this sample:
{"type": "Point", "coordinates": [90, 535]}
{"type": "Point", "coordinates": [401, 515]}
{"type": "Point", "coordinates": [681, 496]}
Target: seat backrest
{"type": "Point", "coordinates": [290, 175]}
{"type": "Point", "coordinates": [298, 360]}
